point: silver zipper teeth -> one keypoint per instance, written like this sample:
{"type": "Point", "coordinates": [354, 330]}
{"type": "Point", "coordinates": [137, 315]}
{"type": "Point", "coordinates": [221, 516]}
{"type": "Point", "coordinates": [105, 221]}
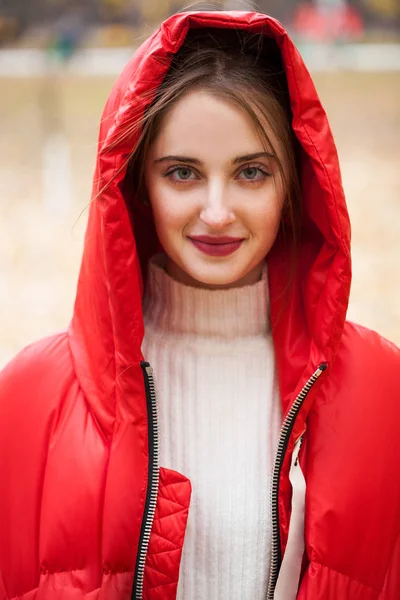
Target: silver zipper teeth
{"type": "Point", "coordinates": [154, 483]}
{"type": "Point", "coordinates": [286, 427]}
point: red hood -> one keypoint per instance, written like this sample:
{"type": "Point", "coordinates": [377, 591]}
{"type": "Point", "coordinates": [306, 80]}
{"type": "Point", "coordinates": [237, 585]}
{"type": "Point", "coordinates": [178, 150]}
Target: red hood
{"type": "Point", "coordinates": [107, 327]}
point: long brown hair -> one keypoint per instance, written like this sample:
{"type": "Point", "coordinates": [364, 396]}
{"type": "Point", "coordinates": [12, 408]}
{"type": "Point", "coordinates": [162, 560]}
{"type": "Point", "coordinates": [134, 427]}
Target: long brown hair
{"type": "Point", "coordinates": [244, 69]}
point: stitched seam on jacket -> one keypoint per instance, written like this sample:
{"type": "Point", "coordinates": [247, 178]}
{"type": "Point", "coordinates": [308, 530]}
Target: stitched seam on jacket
{"type": "Point", "coordinates": [89, 407]}
{"type": "Point", "coordinates": [390, 563]}
{"type": "Point", "coordinates": [322, 163]}
{"type": "Point", "coordinates": [110, 440]}
{"type": "Point", "coordinates": [3, 588]}
{"type": "Point", "coordinates": [176, 548]}
{"type": "Point", "coordinates": [50, 432]}
{"type": "Point", "coordinates": [368, 587]}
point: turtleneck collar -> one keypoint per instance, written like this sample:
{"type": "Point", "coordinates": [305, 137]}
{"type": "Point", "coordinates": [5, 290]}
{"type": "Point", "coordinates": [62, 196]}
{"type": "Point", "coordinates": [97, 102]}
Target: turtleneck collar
{"type": "Point", "coordinates": [176, 308]}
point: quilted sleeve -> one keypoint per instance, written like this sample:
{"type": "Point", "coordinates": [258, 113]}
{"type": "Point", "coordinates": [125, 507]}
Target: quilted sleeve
{"type": "Point", "coordinates": [30, 390]}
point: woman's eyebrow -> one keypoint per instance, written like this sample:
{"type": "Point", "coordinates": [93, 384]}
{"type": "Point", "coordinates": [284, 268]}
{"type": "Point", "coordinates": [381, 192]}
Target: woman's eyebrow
{"type": "Point", "coordinates": [247, 157]}
{"type": "Point", "coordinates": [196, 161]}
{"type": "Point", "coordinates": [185, 159]}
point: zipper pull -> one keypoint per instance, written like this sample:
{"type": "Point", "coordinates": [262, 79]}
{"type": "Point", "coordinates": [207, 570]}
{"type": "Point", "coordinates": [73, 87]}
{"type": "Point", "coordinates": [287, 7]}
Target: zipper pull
{"type": "Point", "coordinates": [296, 450]}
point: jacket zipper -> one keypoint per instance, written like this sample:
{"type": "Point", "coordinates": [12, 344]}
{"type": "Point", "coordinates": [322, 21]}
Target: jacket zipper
{"type": "Point", "coordinates": [284, 436]}
{"type": "Point", "coordinates": [153, 481]}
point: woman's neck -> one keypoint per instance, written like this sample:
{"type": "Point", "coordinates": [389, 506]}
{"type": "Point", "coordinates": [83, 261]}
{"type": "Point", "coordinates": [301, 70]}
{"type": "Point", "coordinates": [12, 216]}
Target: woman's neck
{"type": "Point", "coordinates": [173, 307]}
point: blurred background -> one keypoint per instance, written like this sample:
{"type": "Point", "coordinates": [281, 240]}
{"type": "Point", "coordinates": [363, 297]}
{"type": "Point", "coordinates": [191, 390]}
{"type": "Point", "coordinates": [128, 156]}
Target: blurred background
{"type": "Point", "coordinates": [58, 60]}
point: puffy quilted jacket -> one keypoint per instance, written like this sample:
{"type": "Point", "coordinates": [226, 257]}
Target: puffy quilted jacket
{"type": "Point", "coordinates": [85, 509]}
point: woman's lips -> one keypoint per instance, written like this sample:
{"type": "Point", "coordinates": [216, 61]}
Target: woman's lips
{"type": "Point", "coordinates": [216, 246]}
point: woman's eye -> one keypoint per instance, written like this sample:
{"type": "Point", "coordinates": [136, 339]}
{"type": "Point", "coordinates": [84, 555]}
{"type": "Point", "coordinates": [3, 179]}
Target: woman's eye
{"type": "Point", "coordinates": [253, 174]}
{"type": "Point", "coordinates": [181, 174]}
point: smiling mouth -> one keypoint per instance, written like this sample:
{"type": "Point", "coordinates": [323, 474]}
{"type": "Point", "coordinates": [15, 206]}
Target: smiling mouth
{"type": "Point", "coordinates": [217, 246]}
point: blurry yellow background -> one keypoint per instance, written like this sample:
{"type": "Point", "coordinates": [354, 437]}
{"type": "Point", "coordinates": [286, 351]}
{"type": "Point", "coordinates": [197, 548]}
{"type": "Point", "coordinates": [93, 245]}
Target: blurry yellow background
{"type": "Point", "coordinates": [41, 232]}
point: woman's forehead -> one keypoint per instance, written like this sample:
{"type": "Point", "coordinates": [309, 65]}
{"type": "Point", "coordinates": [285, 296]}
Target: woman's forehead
{"type": "Point", "coordinates": [205, 126]}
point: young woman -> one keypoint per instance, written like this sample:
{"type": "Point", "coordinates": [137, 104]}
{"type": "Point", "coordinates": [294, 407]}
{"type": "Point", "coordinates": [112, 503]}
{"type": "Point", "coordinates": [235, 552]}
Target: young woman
{"type": "Point", "coordinates": [217, 253]}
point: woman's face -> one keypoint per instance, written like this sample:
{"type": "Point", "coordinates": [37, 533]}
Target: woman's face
{"type": "Point", "coordinates": [215, 192]}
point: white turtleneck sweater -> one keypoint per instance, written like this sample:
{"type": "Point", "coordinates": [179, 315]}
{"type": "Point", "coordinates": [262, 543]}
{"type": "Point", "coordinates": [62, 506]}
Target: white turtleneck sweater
{"type": "Point", "coordinates": [219, 420]}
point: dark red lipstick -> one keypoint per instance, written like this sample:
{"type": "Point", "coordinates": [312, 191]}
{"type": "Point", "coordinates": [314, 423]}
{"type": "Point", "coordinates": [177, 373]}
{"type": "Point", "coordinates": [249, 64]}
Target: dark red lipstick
{"type": "Point", "coordinates": [216, 245]}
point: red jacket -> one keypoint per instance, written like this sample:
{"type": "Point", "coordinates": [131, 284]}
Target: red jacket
{"type": "Point", "coordinates": [85, 512]}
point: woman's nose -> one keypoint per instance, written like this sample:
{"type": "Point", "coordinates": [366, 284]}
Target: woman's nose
{"type": "Point", "coordinates": [216, 211]}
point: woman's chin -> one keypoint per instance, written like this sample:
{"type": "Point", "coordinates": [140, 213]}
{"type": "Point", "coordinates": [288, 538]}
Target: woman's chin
{"type": "Point", "coordinates": [221, 274]}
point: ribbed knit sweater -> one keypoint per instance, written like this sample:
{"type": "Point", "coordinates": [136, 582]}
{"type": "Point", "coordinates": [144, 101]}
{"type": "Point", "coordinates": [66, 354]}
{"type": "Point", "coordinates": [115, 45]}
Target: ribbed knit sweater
{"type": "Point", "coordinates": [219, 420]}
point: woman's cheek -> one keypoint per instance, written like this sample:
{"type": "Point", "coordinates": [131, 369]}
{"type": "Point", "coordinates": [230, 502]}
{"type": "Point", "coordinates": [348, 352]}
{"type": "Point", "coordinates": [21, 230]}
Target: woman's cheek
{"type": "Point", "coordinates": [169, 217]}
{"type": "Point", "coordinates": [266, 212]}
{"type": "Point", "coordinates": [180, 208]}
